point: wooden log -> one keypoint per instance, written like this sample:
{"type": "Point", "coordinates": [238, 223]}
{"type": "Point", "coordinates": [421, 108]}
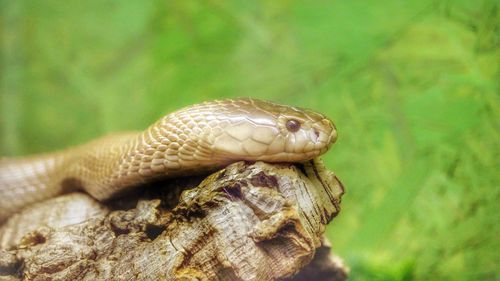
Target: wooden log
{"type": "Point", "coordinates": [249, 221]}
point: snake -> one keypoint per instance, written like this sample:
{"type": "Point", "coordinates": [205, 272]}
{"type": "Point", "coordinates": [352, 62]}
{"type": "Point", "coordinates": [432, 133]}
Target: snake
{"type": "Point", "coordinates": [195, 139]}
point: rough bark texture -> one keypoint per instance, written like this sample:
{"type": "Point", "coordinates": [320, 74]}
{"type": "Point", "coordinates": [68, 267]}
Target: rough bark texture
{"type": "Point", "coordinates": [250, 221]}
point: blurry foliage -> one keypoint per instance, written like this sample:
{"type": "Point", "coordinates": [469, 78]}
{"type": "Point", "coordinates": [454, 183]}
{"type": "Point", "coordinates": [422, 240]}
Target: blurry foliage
{"type": "Point", "coordinates": [411, 85]}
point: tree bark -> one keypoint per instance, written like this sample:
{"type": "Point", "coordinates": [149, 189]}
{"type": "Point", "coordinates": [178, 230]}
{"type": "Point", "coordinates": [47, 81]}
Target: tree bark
{"type": "Point", "coordinates": [249, 221]}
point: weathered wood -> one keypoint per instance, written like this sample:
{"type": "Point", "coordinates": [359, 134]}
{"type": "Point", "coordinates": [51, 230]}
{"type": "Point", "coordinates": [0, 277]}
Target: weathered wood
{"type": "Point", "coordinates": [250, 221]}
{"type": "Point", "coordinates": [325, 266]}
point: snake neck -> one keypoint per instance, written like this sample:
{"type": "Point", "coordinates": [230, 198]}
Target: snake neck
{"type": "Point", "coordinates": [117, 163]}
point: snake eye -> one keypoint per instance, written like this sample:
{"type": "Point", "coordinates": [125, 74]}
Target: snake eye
{"type": "Point", "coordinates": [292, 125]}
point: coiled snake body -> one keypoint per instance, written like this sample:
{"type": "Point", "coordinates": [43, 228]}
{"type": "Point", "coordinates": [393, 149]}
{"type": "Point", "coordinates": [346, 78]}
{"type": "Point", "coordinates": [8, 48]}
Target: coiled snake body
{"type": "Point", "coordinates": [197, 138]}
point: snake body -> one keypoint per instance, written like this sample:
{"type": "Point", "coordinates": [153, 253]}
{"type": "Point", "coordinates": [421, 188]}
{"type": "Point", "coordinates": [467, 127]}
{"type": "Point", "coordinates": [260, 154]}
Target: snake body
{"type": "Point", "coordinates": [194, 139]}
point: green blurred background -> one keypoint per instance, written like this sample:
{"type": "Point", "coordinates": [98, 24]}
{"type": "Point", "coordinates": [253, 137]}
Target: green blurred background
{"type": "Point", "coordinates": [412, 86]}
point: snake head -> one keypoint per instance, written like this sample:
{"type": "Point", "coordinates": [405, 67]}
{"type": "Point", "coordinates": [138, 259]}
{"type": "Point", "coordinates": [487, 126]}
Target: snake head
{"type": "Point", "coordinates": [251, 129]}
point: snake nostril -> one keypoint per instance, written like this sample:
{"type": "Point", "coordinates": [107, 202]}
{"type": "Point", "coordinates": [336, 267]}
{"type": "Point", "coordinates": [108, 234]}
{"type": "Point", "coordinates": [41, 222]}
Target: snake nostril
{"type": "Point", "coordinates": [316, 132]}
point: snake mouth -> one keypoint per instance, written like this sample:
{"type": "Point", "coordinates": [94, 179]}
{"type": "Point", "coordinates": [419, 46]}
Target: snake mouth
{"type": "Point", "coordinates": [282, 157]}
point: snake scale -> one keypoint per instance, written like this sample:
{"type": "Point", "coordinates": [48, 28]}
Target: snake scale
{"type": "Point", "coordinates": [195, 139]}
